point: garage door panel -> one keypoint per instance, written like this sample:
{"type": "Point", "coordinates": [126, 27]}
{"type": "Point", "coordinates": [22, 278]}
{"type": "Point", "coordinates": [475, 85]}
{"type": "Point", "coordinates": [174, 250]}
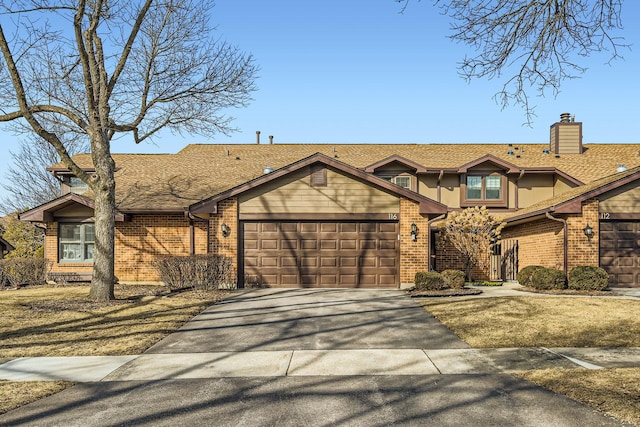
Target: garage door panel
{"type": "Point", "coordinates": [388, 244]}
{"type": "Point", "coordinates": [308, 227]}
{"type": "Point", "coordinates": [270, 261]}
{"type": "Point", "coordinates": [321, 254]}
{"type": "Point", "coordinates": [329, 261]}
{"type": "Point", "coordinates": [348, 261]}
{"type": "Point", "coordinates": [348, 227]}
{"type": "Point", "coordinates": [289, 227]}
{"type": "Point", "coordinates": [309, 244]}
{"type": "Point", "coordinates": [346, 244]}
{"type": "Point", "coordinates": [367, 244]}
{"type": "Point", "coordinates": [266, 244]}
{"type": "Point", "coordinates": [328, 244]}
{"type": "Point", "coordinates": [368, 262]}
{"type": "Point", "coordinates": [387, 279]}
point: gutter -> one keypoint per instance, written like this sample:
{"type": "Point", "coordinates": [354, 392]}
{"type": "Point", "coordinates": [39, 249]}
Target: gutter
{"type": "Point", "coordinates": [566, 241]}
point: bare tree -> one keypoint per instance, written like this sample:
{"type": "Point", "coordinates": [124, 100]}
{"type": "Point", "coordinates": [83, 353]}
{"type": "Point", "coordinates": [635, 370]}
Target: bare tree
{"type": "Point", "coordinates": [106, 68]}
{"type": "Point", "coordinates": [27, 182]}
{"type": "Point", "coordinates": [532, 45]}
{"type": "Point", "coordinates": [472, 231]}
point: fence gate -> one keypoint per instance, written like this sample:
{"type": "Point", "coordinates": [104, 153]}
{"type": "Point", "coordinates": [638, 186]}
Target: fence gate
{"type": "Point", "coordinates": [509, 261]}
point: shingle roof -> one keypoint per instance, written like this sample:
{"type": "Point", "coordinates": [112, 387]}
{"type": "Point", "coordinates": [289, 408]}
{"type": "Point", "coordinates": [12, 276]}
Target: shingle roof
{"type": "Point", "coordinates": [199, 171]}
{"type": "Point", "coordinates": [572, 194]}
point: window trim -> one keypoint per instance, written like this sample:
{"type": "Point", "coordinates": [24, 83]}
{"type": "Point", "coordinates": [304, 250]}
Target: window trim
{"type": "Point", "coordinates": [82, 242]}
{"type": "Point", "coordinates": [502, 202]}
{"type": "Point", "coordinates": [391, 177]}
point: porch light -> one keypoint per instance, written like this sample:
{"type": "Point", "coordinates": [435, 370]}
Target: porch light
{"type": "Point", "coordinates": [588, 231]}
{"type": "Point", "coordinates": [226, 230]}
{"type": "Point", "coordinates": [414, 232]}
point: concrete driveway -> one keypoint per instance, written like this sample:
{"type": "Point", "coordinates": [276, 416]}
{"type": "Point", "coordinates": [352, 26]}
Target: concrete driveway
{"type": "Point", "coordinates": [309, 358]}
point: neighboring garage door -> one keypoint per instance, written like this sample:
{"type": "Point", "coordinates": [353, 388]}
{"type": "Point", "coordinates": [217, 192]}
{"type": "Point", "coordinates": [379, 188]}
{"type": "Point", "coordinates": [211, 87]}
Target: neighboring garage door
{"type": "Point", "coordinates": [620, 252]}
{"type": "Point", "coordinates": [321, 254]}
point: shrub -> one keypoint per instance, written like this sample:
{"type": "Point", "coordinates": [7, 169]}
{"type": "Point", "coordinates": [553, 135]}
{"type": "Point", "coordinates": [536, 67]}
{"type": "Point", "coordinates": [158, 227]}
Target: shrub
{"type": "Point", "coordinates": [588, 278]}
{"type": "Point", "coordinates": [524, 275]}
{"type": "Point", "coordinates": [24, 271]}
{"type": "Point", "coordinates": [429, 280]}
{"type": "Point", "coordinates": [203, 272]}
{"type": "Point", "coordinates": [453, 278]}
{"type": "Point", "coordinates": [548, 278]}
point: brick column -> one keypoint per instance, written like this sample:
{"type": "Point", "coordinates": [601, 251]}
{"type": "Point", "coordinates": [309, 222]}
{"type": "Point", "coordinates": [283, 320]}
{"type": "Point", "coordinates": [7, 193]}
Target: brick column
{"type": "Point", "coordinates": [414, 255]}
{"type": "Point", "coordinates": [582, 250]}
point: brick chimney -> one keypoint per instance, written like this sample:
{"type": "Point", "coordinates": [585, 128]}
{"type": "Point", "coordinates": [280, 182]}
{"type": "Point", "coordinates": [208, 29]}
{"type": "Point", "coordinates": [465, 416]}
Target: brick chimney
{"type": "Point", "coordinates": [566, 136]}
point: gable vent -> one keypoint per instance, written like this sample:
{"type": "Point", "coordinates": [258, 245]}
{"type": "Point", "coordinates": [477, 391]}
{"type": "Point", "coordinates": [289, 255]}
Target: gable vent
{"type": "Point", "coordinates": [318, 176]}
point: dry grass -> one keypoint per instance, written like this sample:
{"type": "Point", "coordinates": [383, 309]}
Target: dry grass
{"type": "Point", "coordinates": [60, 321]}
{"type": "Point", "coordinates": [557, 322]}
{"type": "Point", "coordinates": [541, 321]}
{"type": "Point", "coordinates": [15, 394]}
{"type": "Point", "coordinates": [613, 391]}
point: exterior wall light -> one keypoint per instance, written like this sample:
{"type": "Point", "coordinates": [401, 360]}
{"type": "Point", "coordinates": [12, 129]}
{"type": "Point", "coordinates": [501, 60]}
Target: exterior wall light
{"type": "Point", "coordinates": [226, 230]}
{"type": "Point", "coordinates": [588, 231]}
{"type": "Point", "coordinates": [414, 232]}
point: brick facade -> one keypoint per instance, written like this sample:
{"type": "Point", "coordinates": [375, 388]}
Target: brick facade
{"type": "Point", "coordinates": [414, 255]}
{"type": "Point", "coordinates": [143, 238]}
{"type": "Point", "coordinates": [540, 242]}
{"type": "Point", "coordinates": [582, 250]}
{"type": "Point", "coordinates": [219, 244]}
{"type": "Point", "coordinates": [447, 257]}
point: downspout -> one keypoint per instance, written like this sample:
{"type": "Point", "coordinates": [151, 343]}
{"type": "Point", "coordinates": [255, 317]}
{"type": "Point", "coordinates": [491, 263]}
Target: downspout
{"type": "Point", "coordinates": [431, 250]}
{"type": "Point", "coordinates": [566, 240]}
{"type": "Point", "coordinates": [438, 185]}
{"type": "Point", "coordinates": [518, 188]}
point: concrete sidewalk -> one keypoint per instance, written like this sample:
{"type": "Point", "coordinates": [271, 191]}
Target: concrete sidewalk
{"type": "Point", "coordinates": [313, 363]}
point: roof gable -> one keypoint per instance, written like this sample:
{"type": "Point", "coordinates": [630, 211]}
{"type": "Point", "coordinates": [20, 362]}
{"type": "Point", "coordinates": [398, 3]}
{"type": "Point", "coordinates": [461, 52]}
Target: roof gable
{"type": "Point", "coordinates": [488, 158]}
{"type": "Point", "coordinates": [427, 206]}
{"type": "Point", "coordinates": [410, 164]}
{"type": "Point", "coordinates": [46, 211]}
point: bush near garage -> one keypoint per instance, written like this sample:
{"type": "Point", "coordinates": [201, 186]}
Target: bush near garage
{"type": "Point", "coordinates": [453, 278]}
{"type": "Point", "coordinates": [588, 278]}
{"type": "Point", "coordinates": [201, 272]}
{"type": "Point", "coordinates": [524, 275]}
{"type": "Point", "coordinates": [548, 279]}
{"type": "Point", "coordinates": [429, 281]}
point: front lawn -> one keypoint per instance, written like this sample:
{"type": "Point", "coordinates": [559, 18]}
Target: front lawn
{"type": "Point", "coordinates": [557, 322]}
{"type": "Point", "coordinates": [60, 321]}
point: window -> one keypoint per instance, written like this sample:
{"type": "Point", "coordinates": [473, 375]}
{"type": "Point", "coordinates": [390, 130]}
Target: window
{"type": "Point", "coordinates": [486, 190]}
{"type": "Point", "coordinates": [403, 181]}
{"type": "Point", "coordinates": [76, 242]}
{"type": "Point", "coordinates": [76, 185]}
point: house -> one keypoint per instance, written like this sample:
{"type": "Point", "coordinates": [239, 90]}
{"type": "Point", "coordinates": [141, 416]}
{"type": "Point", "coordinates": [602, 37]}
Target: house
{"type": "Point", "coordinates": [5, 248]}
{"type": "Point", "coordinates": [347, 215]}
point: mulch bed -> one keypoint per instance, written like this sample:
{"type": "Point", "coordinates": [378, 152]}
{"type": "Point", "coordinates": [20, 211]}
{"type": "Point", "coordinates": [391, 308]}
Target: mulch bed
{"type": "Point", "coordinates": [443, 293]}
{"type": "Point", "coordinates": [569, 292]}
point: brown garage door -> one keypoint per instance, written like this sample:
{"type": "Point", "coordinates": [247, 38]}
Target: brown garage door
{"type": "Point", "coordinates": [620, 252]}
{"type": "Point", "coordinates": [321, 254]}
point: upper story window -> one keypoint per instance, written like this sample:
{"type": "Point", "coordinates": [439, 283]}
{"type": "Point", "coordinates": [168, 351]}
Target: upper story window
{"type": "Point", "coordinates": [480, 189]}
{"type": "Point", "coordinates": [76, 242]}
{"type": "Point", "coordinates": [76, 185]}
{"type": "Point", "coordinates": [404, 181]}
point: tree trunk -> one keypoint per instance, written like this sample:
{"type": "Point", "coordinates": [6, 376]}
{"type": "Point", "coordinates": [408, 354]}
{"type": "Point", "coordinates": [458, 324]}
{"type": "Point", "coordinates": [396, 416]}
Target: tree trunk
{"type": "Point", "coordinates": [104, 187]}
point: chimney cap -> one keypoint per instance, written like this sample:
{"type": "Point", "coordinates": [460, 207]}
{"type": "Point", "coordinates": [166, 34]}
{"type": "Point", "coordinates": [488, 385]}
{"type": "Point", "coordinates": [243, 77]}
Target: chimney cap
{"type": "Point", "coordinates": [565, 117]}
